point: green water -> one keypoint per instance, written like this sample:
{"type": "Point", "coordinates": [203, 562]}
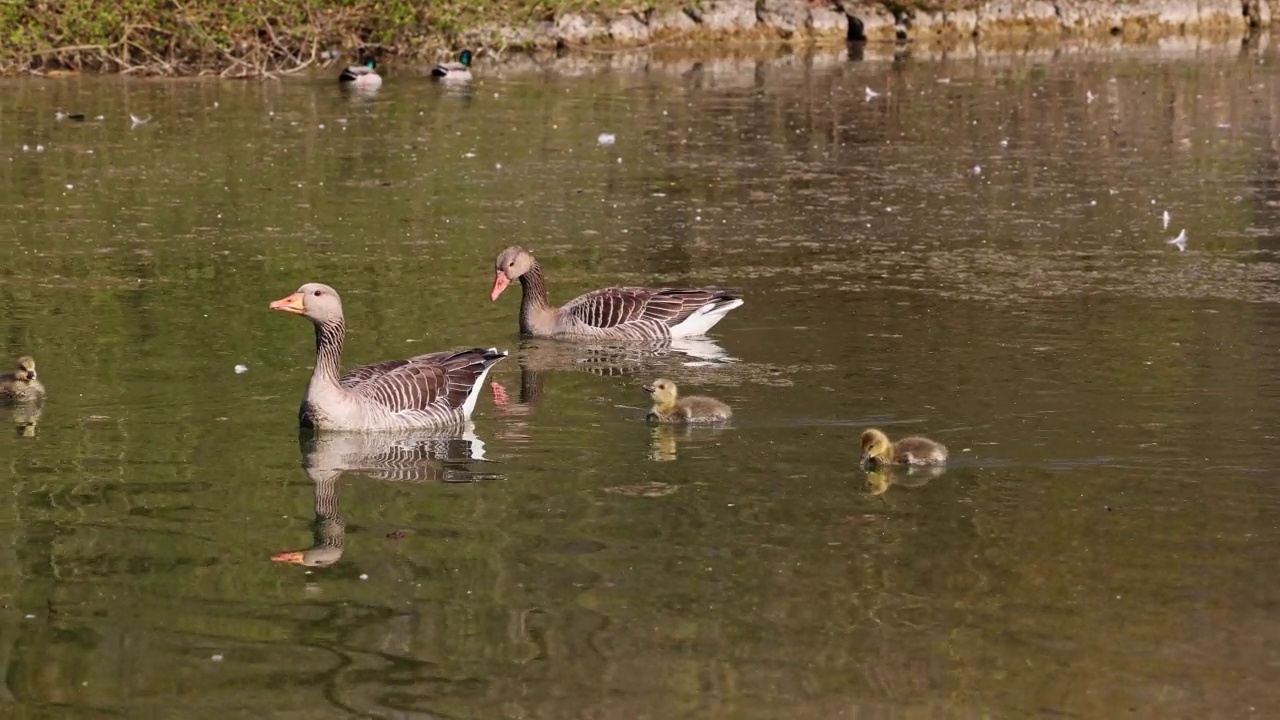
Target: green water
{"type": "Point", "coordinates": [1101, 546]}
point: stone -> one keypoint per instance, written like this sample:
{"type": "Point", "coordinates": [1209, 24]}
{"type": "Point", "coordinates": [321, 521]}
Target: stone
{"type": "Point", "coordinates": [868, 20]}
{"type": "Point", "coordinates": [576, 29]}
{"type": "Point", "coordinates": [728, 16]}
{"type": "Point", "coordinates": [671, 23]}
{"type": "Point", "coordinates": [786, 17]}
{"type": "Point", "coordinates": [628, 30]}
{"type": "Point", "coordinates": [827, 21]}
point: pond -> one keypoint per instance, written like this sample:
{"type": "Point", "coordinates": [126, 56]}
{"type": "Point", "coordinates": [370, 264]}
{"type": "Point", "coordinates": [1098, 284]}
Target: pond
{"type": "Point", "coordinates": [970, 248]}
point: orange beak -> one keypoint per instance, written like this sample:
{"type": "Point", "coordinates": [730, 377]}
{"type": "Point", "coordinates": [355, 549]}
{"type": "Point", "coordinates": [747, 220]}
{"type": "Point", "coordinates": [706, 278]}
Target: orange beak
{"type": "Point", "coordinates": [291, 304]}
{"type": "Point", "coordinates": [294, 556]}
{"type": "Point", "coordinates": [500, 283]}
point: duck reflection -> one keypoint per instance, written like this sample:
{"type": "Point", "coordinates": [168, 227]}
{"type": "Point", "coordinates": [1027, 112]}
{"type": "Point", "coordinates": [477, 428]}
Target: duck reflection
{"type": "Point", "coordinates": [539, 356]}
{"type": "Point", "coordinates": [421, 457]}
{"type": "Point", "coordinates": [25, 417]}
{"type": "Point", "coordinates": [878, 481]}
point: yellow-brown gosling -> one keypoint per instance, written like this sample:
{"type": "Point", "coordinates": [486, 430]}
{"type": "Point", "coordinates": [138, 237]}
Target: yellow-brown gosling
{"type": "Point", "coordinates": [877, 450]}
{"type": "Point", "coordinates": [668, 407]}
{"type": "Point", "coordinates": [21, 385]}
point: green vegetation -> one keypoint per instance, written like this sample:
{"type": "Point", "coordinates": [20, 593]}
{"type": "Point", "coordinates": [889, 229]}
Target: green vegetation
{"type": "Point", "coordinates": [253, 37]}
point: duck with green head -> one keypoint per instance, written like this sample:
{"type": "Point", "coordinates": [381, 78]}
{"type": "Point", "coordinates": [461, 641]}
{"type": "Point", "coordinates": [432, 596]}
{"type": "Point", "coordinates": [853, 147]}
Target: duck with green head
{"type": "Point", "coordinates": [460, 70]}
{"type": "Point", "coordinates": [364, 75]}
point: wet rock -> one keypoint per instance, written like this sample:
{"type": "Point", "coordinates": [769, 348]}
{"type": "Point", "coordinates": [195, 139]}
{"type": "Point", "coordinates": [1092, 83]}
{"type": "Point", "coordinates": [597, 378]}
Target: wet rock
{"type": "Point", "coordinates": [1018, 16]}
{"type": "Point", "coordinates": [868, 20]}
{"type": "Point", "coordinates": [628, 30]}
{"type": "Point", "coordinates": [727, 16]}
{"type": "Point", "coordinates": [671, 23]}
{"type": "Point", "coordinates": [576, 29]}
{"type": "Point", "coordinates": [786, 17]}
{"type": "Point", "coordinates": [827, 21]}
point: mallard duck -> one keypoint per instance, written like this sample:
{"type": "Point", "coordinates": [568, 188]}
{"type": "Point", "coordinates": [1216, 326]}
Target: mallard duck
{"type": "Point", "coordinates": [459, 70]}
{"type": "Point", "coordinates": [877, 450]}
{"type": "Point", "coordinates": [617, 313]}
{"type": "Point", "coordinates": [21, 385]}
{"type": "Point", "coordinates": [425, 391]}
{"type": "Point", "coordinates": [364, 75]}
{"type": "Point", "coordinates": [668, 407]}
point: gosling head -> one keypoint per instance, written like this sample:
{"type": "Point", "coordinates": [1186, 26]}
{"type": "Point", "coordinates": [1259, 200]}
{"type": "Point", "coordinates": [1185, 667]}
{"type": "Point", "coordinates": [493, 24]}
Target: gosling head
{"type": "Point", "coordinates": [317, 302]}
{"type": "Point", "coordinates": [26, 368]}
{"type": "Point", "coordinates": [662, 391]}
{"type": "Point", "coordinates": [511, 264]}
{"type": "Point", "coordinates": [875, 446]}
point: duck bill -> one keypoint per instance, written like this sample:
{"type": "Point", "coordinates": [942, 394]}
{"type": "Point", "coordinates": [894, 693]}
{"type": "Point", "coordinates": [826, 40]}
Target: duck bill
{"type": "Point", "coordinates": [500, 283]}
{"type": "Point", "coordinates": [291, 304]}
{"type": "Point", "coordinates": [294, 556]}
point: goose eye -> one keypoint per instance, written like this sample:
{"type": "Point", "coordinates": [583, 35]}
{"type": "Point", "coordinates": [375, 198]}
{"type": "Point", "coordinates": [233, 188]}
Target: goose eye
{"type": "Point", "coordinates": [511, 264]}
{"type": "Point", "coordinates": [316, 293]}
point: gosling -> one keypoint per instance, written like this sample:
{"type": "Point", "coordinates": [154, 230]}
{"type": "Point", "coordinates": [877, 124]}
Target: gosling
{"type": "Point", "coordinates": [21, 385]}
{"type": "Point", "coordinates": [669, 408]}
{"type": "Point", "coordinates": [877, 450]}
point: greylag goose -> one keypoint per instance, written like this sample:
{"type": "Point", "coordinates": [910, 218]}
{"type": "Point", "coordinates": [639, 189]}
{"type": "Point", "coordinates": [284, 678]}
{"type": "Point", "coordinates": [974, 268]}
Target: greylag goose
{"type": "Point", "coordinates": [434, 390]}
{"type": "Point", "coordinates": [622, 313]}
{"type": "Point", "coordinates": [21, 385]}
{"type": "Point", "coordinates": [668, 407]}
{"type": "Point", "coordinates": [877, 450]}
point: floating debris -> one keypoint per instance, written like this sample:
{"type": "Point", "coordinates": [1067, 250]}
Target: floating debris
{"type": "Point", "coordinates": [135, 121]}
{"type": "Point", "coordinates": [216, 657]}
{"type": "Point", "coordinates": [871, 94]}
{"type": "Point", "coordinates": [1165, 219]}
{"type": "Point", "coordinates": [60, 115]}
{"type": "Point", "coordinates": [606, 138]}
{"type": "Point", "coordinates": [1179, 242]}
{"type": "Point", "coordinates": [242, 369]}
{"type": "Point", "coordinates": [1089, 96]}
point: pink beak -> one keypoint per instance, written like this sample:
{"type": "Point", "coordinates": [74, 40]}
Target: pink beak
{"type": "Point", "coordinates": [500, 283]}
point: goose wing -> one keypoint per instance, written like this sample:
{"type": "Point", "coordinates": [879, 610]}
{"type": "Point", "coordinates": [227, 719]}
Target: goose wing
{"type": "Point", "coordinates": [613, 307]}
{"type": "Point", "coordinates": [442, 379]}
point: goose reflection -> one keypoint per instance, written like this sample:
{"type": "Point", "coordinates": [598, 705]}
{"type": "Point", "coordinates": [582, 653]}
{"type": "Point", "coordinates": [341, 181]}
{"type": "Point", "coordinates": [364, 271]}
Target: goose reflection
{"type": "Point", "coordinates": [878, 482]}
{"type": "Point", "coordinates": [665, 439]}
{"type": "Point", "coordinates": [539, 356]}
{"type": "Point", "coordinates": [420, 457]}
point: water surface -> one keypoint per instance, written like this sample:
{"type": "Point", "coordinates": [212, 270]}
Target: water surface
{"type": "Point", "coordinates": [976, 254]}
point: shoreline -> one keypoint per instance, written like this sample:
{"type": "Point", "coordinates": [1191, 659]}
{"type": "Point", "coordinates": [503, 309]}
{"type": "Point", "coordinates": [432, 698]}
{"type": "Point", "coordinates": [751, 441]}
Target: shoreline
{"type": "Point", "coordinates": [281, 46]}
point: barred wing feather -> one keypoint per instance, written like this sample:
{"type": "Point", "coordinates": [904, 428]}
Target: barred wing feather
{"type": "Point", "coordinates": [613, 307]}
{"type": "Point", "coordinates": [442, 381]}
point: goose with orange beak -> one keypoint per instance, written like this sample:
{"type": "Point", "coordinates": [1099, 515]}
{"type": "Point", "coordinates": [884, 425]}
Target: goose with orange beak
{"type": "Point", "coordinates": [616, 313]}
{"type": "Point", "coordinates": [425, 391]}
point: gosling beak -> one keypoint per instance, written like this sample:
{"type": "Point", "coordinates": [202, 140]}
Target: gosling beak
{"type": "Point", "coordinates": [647, 388]}
{"type": "Point", "coordinates": [500, 283]}
{"type": "Point", "coordinates": [291, 304]}
{"type": "Point", "coordinates": [294, 556]}
{"type": "Point", "coordinates": [31, 374]}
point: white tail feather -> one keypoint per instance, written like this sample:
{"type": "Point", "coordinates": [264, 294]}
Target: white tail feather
{"type": "Point", "coordinates": [704, 318]}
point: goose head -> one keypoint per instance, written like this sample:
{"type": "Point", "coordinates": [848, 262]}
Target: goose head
{"type": "Point", "coordinates": [26, 368]}
{"type": "Point", "coordinates": [511, 264]}
{"type": "Point", "coordinates": [876, 446]}
{"type": "Point", "coordinates": [317, 302]}
{"type": "Point", "coordinates": [662, 391]}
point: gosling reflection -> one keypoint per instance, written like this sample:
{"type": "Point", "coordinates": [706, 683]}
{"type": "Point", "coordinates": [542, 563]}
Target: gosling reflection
{"type": "Point", "coordinates": [419, 457]}
{"type": "Point", "coordinates": [665, 439]}
{"type": "Point", "coordinates": [25, 417]}
{"type": "Point", "coordinates": [879, 481]}
{"type": "Point", "coordinates": [537, 356]}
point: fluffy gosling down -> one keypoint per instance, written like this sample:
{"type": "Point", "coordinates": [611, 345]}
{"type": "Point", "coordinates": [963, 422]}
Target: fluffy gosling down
{"type": "Point", "coordinates": [877, 450]}
{"type": "Point", "coordinates": [21, 385]}
{"type": "Point", "coordinates": [668, 407]}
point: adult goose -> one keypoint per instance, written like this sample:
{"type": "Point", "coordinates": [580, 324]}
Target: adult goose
{"type": "Point", "coordinates": [618, 313]}
{"type": "Point", "coordinates": [434, 390]}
